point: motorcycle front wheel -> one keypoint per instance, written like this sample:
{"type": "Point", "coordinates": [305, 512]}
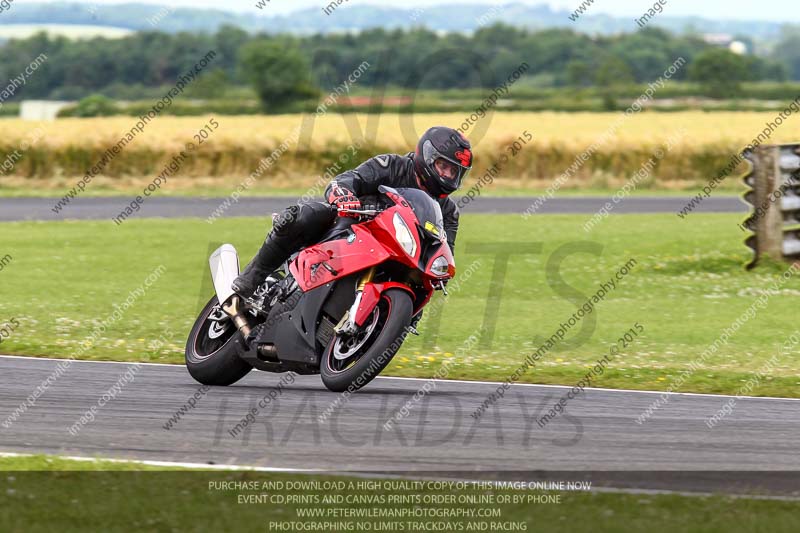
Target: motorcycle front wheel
{"type": "Point", "coordinates": [352, 361]}
{"type": "Point", "coordinates": [211, 356]}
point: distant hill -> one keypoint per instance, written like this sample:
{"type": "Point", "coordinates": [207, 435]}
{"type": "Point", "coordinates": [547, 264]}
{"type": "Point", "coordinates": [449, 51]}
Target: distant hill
{"type": "Point", "coordinates": [356, 17]}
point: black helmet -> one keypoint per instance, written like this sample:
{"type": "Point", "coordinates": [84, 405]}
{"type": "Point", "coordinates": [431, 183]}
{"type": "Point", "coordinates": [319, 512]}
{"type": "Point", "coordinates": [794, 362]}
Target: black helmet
{"type": "Point", "coordinates": [442, 160]}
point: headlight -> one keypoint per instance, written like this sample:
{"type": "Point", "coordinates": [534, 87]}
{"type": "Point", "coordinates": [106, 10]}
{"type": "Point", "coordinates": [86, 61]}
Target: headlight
{"type": "Point", "coordinates": [404, 236]}
{"type": "Point", "coordinates": [440, 266]}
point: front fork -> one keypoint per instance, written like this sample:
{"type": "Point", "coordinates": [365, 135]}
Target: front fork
{"type": "Point", "coordinates": [348, 323]}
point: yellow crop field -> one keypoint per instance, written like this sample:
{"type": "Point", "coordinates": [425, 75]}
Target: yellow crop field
{"type": "Point", "coordinates": [398, 130]}
{"type": "Point", "coordinates": [689, 147]}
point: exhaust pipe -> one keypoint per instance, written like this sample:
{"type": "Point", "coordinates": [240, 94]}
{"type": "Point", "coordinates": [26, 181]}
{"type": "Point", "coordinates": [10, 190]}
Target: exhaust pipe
{"type": "Point", "coordinates": [232, 308]}
{"type": "Point", "coordinates": [269, 353]}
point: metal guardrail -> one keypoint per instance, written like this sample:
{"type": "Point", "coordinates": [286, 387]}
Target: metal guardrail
{"type": "Point", "coordinates": [774, 195]}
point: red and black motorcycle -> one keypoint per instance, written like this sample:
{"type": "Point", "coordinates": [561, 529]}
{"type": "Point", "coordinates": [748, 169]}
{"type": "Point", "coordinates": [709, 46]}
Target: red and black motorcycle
{"type": "Point", "coordinates": [341, 308]}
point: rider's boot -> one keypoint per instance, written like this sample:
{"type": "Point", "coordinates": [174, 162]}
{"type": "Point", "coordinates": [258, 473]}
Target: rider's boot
{"type": "Point", "coordinates": [266, 261]}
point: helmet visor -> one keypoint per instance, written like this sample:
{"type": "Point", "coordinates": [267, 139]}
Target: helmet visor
{"type": "Point", "coordinates": [446, 169]}
{"type": "Point", "coordinates": [450, 173]}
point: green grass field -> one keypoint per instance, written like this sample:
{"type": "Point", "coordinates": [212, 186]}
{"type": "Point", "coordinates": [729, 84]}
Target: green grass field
{"type": "Point", "coordinates": [688, 285]}
{"type": "Point", "coordinates": [69, 498]}
{"type": "Point", "coordinates": [55, 463]}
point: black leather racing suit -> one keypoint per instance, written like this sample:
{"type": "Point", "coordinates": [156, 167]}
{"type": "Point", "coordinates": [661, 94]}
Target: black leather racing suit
{"type": "Point", "coordinates": [398, 172]}
{"type": "Point", "coordinates": [305, 224]}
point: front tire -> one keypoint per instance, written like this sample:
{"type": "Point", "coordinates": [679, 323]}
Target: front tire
{"type": "Point", "coordinates": [211, 355]}
{"type": "Point", "coordinates": [394, 311]}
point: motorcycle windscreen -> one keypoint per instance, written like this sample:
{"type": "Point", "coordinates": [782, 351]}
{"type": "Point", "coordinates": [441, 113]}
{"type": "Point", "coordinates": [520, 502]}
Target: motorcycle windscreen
{"type": "Point", "coordinates": [224, 263]}
{"type": "Point", "coordinates": [427, 211]}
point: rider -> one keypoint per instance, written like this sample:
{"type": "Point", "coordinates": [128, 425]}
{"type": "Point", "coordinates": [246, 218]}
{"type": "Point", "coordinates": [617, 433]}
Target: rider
{"type": "Point", "coordinates": [438, 167]}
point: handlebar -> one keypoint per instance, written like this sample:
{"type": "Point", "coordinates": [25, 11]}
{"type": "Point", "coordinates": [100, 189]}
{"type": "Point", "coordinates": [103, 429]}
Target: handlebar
{"type": "Point", "coordinates": [364, 212]}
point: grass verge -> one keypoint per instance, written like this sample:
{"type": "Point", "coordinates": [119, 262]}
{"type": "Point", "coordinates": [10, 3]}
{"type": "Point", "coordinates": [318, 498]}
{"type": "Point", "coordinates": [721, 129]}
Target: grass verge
{"type": "Point", "coordinates": [63, 496]}
{"type": "Point", "coordinates": [55, 463]}
{"type": "Point", "coordinates": [688, 286]}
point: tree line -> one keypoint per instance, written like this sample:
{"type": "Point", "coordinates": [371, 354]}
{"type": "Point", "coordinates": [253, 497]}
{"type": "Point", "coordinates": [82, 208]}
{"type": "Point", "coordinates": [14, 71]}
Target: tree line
{"type": "Point", "coordinates": [291, 67]}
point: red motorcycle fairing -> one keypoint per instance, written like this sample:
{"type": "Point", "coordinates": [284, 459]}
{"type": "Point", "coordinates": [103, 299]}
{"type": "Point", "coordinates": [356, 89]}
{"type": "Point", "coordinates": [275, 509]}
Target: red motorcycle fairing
{"type": "Point", "coordinates": [371, 243]}
{"type": "Point", "coordinates": [372, 295]}
{"type": "Point", "coordinates": [444, 251]}
{"type": "Point", "coordinates": [328, 261]}
{"type": "Point", "coordinates": [332, 260]}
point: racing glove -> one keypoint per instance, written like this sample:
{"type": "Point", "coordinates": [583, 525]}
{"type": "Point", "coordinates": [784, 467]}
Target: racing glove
{"type": "Point", "coordinates": [343, 198]}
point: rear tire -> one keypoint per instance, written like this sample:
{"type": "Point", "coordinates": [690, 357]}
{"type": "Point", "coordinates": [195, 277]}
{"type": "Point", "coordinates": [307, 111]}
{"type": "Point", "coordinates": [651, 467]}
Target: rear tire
{"type": "Point", "coordinates": [395, 308]}
{"type": "Point", "coordinates": [214, 361]}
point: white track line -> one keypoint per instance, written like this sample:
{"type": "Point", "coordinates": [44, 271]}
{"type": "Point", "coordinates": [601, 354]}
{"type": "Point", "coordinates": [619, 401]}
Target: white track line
{"type": "Point", "coordinates": [34, 358]}
{"type": "Point", "coordinates": [169, 464]}
{"type": "Point", "coordinates": [597, 389]}
{"type": "Point", "coordinates": [385, 475]}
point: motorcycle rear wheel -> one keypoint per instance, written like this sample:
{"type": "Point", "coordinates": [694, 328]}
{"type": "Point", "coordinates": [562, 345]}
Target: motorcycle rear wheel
{"type": "Point", "coordinates": [374, 353]}
{"type": "Point", "coordinates": [211, 355]}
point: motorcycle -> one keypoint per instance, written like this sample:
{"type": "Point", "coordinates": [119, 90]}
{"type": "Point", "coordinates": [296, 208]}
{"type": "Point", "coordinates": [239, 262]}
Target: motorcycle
{"type": "Point", "coordinates": [341, 308]}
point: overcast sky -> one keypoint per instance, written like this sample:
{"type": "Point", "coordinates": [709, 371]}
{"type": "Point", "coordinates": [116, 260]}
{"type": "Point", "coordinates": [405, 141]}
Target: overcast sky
{"type": "Point", "coordinates": [775, 10]}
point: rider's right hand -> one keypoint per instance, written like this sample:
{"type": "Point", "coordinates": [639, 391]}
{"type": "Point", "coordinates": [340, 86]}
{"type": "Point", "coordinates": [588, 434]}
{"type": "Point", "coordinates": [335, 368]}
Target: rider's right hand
{"type": "Point", "coordinates": [347, 202]}
{"type": "Point", "coordinates": [343, 199]}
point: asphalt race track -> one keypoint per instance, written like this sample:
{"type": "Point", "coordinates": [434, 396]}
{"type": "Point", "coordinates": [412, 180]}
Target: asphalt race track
{"type": "Point", "coordinates": [12, 209]}
{"type": "Point", "coordinates": [674, 450]}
